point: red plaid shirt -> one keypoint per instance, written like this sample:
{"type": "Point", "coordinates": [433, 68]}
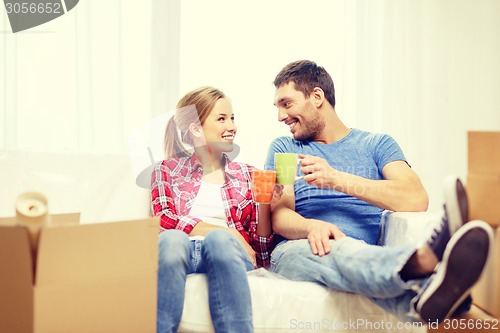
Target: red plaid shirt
{"type": "Point", "coordinates": [175, 184]}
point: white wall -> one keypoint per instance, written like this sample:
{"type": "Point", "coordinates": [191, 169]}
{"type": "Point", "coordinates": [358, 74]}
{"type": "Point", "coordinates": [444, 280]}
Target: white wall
{"type": "Point", "coordinates": [423, 71]}
{"type": "Point", "coordinates": [79, 82]}
{"type": "Point", "coordinates": [240, 49]}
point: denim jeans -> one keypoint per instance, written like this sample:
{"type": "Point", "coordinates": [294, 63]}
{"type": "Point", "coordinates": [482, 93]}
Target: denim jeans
{"type": "Point", "coordinates": [221, 256]}
{"type": "Point", "coordinates": [352, 266]}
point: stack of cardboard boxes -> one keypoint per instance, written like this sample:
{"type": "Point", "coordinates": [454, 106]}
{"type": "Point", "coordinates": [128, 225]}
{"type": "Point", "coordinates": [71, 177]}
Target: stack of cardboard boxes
{"type": "Point", "coordinates": [483, 188]}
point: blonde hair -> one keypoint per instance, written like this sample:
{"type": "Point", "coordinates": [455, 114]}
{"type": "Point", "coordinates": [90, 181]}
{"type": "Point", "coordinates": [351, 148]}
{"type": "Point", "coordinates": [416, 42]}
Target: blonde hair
{"type": "Point", "coordinates": [201, 100]}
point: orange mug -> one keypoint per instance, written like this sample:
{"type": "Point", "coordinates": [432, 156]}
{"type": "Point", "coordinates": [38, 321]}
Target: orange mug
{"type": "Point", "coordinates": [263, 185]}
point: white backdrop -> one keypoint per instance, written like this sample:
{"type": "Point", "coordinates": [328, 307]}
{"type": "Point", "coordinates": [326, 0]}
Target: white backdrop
{"type": "Point", "coordinates": [423, 71]}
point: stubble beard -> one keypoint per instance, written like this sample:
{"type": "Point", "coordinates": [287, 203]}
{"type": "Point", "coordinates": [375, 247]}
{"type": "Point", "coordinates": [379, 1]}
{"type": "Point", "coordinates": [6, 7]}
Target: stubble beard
{"type": "Point", "coordinates": [311, 130]}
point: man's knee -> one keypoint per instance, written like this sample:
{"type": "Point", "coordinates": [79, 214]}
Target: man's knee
{"type": "Point", "coordinates": [291, 253]}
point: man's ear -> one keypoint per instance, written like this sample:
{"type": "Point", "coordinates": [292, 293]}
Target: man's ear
{"type": "Point", "coordinates": [196, 130]}
{"type": "Point", "coordinates": [318, 96]}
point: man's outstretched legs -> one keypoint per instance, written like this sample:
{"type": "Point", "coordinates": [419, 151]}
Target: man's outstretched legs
{"type": "Point", "coordinates": [391, 277]}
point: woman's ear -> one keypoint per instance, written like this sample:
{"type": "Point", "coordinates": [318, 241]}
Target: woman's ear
{"type": "Point", "coordinates": [195, 130]}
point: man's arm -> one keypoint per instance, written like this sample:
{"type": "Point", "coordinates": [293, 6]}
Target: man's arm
{"type": "Point", "coordinates": [292, 225]}
{"type": "Point", "coordinates": [400, 190]}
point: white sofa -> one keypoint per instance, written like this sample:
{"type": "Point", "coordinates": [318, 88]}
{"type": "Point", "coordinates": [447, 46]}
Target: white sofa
{"type": "Point", "coordinates": [103, 189]}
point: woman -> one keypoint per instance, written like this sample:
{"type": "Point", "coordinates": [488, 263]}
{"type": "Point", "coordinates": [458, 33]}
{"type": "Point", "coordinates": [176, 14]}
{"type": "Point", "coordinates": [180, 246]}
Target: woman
{"type": "Point", "coordinates": [208, 220]}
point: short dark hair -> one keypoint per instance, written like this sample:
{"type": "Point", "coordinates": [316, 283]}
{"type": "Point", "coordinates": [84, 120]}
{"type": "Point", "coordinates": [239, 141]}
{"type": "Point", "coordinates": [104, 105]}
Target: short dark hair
{"type": "Point", "coordinates": [307, 75]}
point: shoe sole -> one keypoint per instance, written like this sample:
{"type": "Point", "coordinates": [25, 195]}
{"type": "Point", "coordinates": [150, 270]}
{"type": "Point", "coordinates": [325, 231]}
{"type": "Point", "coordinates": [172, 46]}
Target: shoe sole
{"type": "Point", "coordinates": [463, 262]}
{"type": "Point", "coordinates": [456, 203]}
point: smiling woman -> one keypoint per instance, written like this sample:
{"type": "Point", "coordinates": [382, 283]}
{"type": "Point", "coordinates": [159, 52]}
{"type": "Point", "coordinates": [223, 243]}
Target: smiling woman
{"type": "Point", "coordinates": [209, 222]}
{"type": "Point", "coordinates": [205, 120]}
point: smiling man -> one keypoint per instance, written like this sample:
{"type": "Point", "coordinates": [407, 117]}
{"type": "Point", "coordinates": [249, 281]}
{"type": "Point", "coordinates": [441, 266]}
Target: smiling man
{"type": "Point", "coordinates": [330, 218]}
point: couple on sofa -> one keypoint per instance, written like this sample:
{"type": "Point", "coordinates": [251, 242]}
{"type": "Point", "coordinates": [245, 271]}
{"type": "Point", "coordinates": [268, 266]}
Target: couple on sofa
{"type": "Point", "coordinates": [322, 229]}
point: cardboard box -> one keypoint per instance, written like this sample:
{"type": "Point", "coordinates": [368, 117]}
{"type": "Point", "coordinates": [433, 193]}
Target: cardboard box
{"type": "Point", "coordinates": [486, 293]}
{"type": "Point", "coordinates": [88, 278]}
{"type": "Point", "coordinates": [483, 178]}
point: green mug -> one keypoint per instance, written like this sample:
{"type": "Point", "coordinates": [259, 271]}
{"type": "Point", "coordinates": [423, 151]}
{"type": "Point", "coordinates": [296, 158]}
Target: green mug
{"type": "Point", "coordinates": [285, 165]}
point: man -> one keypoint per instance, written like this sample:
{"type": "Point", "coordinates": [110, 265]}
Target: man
{"type": "Point", "coordinates": [331, 216]}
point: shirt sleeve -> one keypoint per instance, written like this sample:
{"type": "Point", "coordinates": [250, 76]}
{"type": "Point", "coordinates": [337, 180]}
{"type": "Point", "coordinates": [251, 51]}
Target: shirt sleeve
{"type": "Point", "coordinates": [263, 246]}
{"type": "Point", "coordinates": [162, 203]}
{"type": "Point", "coordinates": [386, 151]}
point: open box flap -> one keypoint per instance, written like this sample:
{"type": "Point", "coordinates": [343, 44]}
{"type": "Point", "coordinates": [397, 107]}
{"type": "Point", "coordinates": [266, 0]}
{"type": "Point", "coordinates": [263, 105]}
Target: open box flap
{"type": "Point", "coordinates": [69, 254]}
{"type": "Point", "coordinates": [15, 257]}
{"type": "Point", "coordinates": [16, 279]}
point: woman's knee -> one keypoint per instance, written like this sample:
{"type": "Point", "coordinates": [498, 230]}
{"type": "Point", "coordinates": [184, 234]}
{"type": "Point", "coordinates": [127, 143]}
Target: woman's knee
{"type": "Point", "coordinates": [221, 245]}
{"type": "Point", "coordinates": [219, 239]}
{"type": "Point", "coordinates": [174, 247]}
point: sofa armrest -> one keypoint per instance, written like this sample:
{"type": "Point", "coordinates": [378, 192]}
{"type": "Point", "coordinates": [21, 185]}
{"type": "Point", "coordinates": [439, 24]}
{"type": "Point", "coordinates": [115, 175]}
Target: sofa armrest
{"type": "Point", "coordinates": [399, 228]}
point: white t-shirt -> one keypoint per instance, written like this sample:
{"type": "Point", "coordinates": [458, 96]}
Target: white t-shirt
{"type": "Point", "coordinates": [208, 206]}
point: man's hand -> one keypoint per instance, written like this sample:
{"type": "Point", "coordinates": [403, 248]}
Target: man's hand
{"type": "Point", "coordinates": [317, 171]}
{"type": "Point", "coordinates": [319, 235]}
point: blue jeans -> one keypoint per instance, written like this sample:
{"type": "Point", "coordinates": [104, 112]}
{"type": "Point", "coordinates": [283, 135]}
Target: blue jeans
{"type": "Point", "coordinates": [221, 256]}
{"type": "Point", "coordinates": [352, 266]}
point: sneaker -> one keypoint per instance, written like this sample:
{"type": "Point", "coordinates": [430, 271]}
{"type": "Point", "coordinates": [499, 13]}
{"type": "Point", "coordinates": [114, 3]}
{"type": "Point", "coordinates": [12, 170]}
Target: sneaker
{"type": "Point", "coordinates": [456, 204]}
{"type": "Point", "coordinates": [456, 211]}
{"type": "Point", "coordinates": [463, 262]}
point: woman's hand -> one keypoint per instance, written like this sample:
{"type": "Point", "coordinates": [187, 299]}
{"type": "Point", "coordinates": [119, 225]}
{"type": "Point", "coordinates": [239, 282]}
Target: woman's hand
{"type": "Point", "coordinates": [202, 229]}
{"type": "Point", "coordinates": [246, 246]}
{"type": "Point", "coordinates": [264, 227]}
{"type": "Point", "coordinates": [277, 193]}
{"type": "Point", "coordinates": [250, 252]}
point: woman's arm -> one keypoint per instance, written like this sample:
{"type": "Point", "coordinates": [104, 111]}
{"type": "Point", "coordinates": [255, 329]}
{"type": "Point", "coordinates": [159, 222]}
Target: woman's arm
{"type": "Point", "coordinates": [264, 225]}
{"type": "Point", "coordinates": [259, 228]}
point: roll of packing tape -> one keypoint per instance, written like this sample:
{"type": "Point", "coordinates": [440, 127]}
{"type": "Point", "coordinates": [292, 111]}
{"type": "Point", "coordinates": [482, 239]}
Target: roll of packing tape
{"type": "Point", "coordinates": [32, 213]}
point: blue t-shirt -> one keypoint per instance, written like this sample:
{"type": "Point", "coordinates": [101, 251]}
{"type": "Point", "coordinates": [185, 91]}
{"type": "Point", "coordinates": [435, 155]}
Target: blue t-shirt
{"type": "Point", "coordinates": [360, 153]}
